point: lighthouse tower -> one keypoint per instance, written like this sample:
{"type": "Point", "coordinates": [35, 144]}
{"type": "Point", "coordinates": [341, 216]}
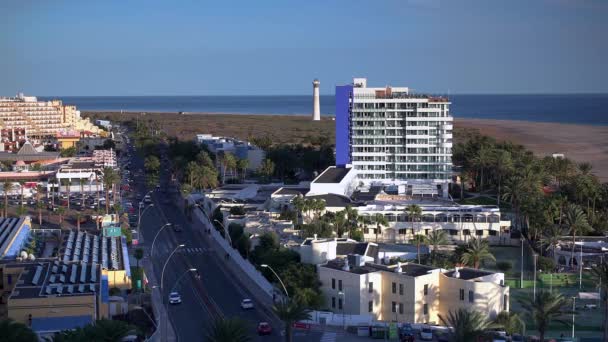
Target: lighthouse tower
{"type": "Point", "coordinates": [316, 106]}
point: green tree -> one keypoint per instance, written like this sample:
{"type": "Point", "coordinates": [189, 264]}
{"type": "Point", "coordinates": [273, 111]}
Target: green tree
{"type": "Point", "coordinates": [600, 273]}
{"type": "Point", "coordinates": [419, 239]}
{"type": "Point", "coordinates": [60, 212]}
{"type": "Point", "coordinates": [266, 169]}
{"type": "Point", "coordinates": [228, 330]}
{"type": "Point", "coordinates": [477, 251]}
{"type": "Point", "coordinates": [243, 164]}
{"type": "Point", "coordinates": [466, 325]}
{"type": "Point", "coordinates": [39, 207]}
{"type": "Point", "coordinates": [152, 164]}
{"type": "Point", "coordinates": [290, 311]}
{"type": "Point", "coordinates": [577, 223]}
{"type": "Point", "coordinates": [12, 331]}
{"type": "Point", "coordinates": [68, 152]}
{"type": "Point", "coordinates": [503, 166]}
{"type": "Point", "coordinates": [228, 163]}
{"type": "Point", "coordinates": [380, 222]}
{"type": "Point", "coordinates": [102, 330]}
{"type": "Point", "coordinates": [482, 160]}
{"type": "Point", "coordinates": [68, 184]}
{"type": "Point", "coordinates": [510, 322]}
{"type": "Point", "coordinates": [109, 179]}
{"type": "Point", "coordinates": [22, 188]}
{"type": "Point", "coordinates": [545, 309]}
{"type": "Point", "coordinates": [414, 212]}
{"type": "Point", "coordinates": [138, 254]}
{"type": "Point", "coordinates": [435, 239]}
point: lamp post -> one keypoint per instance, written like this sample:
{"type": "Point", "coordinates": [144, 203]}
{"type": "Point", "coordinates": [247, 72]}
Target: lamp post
{"type": "Point", "coordinates": [343, 294]}
{"type": "Point", "coordinates": [276, 275]}
{"type": "Point", "coordinates": [164, 300]}
{"type": "Point", "coordinates": [535, 257]}
{"type": "Point", "coordinates": [139, 218]}
{"type": "Point", "coordinates": [225, 232]}
{"type": "Point", "coordinates": [573, 311]}
{"type": "Point", "coordinates": [155, 236]}
{"type": "Point", "coordinates": [521, 273]}
{"type": "Point", "coordinates": [580, 264]}
{"type": "Point", "coordinates": [181, 276]}
{"type": "Point", "coordinates": [137, 307]}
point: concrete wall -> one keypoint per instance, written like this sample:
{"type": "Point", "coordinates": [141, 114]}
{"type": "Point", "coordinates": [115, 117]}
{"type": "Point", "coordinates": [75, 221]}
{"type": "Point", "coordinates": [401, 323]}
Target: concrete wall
{"type": "Point", "coordinates": [55, 306]}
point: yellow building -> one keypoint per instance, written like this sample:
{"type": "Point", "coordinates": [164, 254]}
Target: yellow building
{"type": "Point", "coordinates": [409, 292]}
{"type": "Point", "coordinates": [67, 139]}
{"type": "Point", "coordinates": [52, 296]}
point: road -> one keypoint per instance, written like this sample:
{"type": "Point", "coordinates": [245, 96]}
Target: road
{"type": "Point", "coordinates": [209, 293]}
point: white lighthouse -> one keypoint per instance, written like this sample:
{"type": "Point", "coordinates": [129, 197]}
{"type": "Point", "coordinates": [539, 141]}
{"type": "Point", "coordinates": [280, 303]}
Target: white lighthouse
{"type": "Point", "coordinates": [316, 105]}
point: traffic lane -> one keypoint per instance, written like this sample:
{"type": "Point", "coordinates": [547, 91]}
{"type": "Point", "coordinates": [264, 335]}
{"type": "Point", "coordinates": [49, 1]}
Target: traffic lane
{"type": "Point", "coordinates": [223, 289]}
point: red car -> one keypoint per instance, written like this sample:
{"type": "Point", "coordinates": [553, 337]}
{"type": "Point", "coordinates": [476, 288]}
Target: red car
{"type": "Point", "coordinates": [264, 329]}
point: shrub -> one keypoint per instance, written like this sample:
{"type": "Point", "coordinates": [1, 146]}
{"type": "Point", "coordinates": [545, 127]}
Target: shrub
{"type": "Point", "coordinates": [545, 264]}
{"type": "Point", "coordinates": [504, 266]}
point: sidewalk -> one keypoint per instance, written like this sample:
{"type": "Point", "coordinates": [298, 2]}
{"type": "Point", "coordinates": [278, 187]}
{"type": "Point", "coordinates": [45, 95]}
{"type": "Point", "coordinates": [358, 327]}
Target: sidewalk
{"type": "Point", "coordinates": [157, 305]}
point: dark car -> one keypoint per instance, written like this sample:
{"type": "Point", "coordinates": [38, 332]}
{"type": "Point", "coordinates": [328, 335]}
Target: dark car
{"type": "Point", "coordinates": [264, 328]}
{"type": "Point", "coordinates": [407, 333]}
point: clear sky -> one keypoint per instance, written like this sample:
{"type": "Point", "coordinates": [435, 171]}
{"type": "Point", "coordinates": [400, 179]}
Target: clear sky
{"type": "Point", "coordinates": [253, 47]}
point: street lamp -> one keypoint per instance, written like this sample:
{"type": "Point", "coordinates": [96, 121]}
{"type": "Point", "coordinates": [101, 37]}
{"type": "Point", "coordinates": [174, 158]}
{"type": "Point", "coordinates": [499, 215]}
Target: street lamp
{"type": "Point", "coordinates": [580, 278]}
{"type": "Point", "coordinates": [225, 232]}
{"type": "Point", "coordinates": [139, 218]}
{"type": "Point", "coordinates": [164, 300]}
{"type": "Point", "coordinates": [137, 307]}
{"type": "Point", "coordinates": [155, 236]}
{"type": "Point", "coordinates": [573, 311]}
{"type": "Point", "coordinates": [535, 257]}
{"type": "Point", "coordinates": [276, 275]}
{"type": "Point", "coordinates": [521, 273]}
{"type": "Point", "coordinates": [341, 293]}
{"type": "Point", "coordinates": [181, 276]}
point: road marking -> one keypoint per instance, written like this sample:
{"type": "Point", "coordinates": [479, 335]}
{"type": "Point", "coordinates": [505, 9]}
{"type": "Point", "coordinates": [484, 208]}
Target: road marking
{"type": "Point", "coordinates": [328, 337]}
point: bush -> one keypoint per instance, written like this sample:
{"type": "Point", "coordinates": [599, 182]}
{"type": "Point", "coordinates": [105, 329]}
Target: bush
{"type": "Point", "coordinates": [545, 264]}
{"type": "Point", "coordinates": [504, 266]}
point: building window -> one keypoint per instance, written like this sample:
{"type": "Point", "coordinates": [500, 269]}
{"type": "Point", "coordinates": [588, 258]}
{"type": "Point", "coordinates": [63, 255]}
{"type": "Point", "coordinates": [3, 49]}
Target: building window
{"type": "Point", "coordinates": [425, 309]}
{"type": "Point", "coordinates": [426, 289]}
{"type": "Point", "coordinates": [471, 296]}
{"type": "Point", "coordinates": [401, 308]}
{"type": "Point", "coordinates": [461, 294]}
{"type": "Point", "coordinates": [333, 283]}
{"type": "Point", "coordinates": [340, 303]}
{"type": "Point", "coordinates": [479, 232]}
{"type": "Point", "coordinates": [505, 304]}
{"type": "Point", "coordinates": [492, 232]}
{"type": "Point", "coordinates": [333, 302]}
{"type": "Point", "coordinates": [370, 306]}
{"type": "Point", "coordinates": [340, 285]}
{"type": "Point", "coordinates": [370, 287]}
{"type": "Point", "coordinates": [393, 306]}
{"type": "Point", "coordinates": [394, 287]}
{"type": "Point", "coordinates": [401, 289]}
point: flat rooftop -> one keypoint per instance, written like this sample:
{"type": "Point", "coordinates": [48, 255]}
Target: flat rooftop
{"type": "Point", "coordinates": [468, 273]}
{"type": "Point", "coordinates": [332, 175]}
{"type": "Point", "coordinates": [407, 269]}
{"type": "Point", "coordinates": [292, 191]}
{"type": "Point", "coordinates": [88, 248]}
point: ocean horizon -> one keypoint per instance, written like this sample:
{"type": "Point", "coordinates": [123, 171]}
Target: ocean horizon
{"type": "Point", "coordinates": [589, 109]}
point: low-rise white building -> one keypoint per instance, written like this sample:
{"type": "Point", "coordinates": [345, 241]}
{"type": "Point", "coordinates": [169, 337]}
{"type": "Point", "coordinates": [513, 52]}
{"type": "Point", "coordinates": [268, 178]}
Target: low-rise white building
{"type": "Point", "coordinates": [240, 149]}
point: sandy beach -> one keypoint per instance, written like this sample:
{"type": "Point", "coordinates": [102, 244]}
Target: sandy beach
{"type": "Point", "coordinates": [581, 143]}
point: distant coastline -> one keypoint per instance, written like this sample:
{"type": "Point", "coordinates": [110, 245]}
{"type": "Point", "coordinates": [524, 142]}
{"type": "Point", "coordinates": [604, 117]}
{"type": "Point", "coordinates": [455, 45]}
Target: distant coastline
{"type": "Point", "coordinates": [589, 109]}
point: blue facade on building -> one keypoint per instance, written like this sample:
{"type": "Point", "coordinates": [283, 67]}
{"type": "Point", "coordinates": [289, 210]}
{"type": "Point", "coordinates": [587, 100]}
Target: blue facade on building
{"type": "Point", "coordinates": [105, 289]}
{"type": "Point", "coordinates": [343, 94]}
{"type": "Point", "coordinates": [53, 324]}
{"type": "Point", "coordinates": [14, 233]}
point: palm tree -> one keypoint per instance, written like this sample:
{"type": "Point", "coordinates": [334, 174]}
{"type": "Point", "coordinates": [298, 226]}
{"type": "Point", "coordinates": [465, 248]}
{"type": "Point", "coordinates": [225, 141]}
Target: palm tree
{"type": "Point", "coordinates": [39, 207]}
{"type": "Point", "coordinates": [138, 254]}
{"type": "Point", "coordinates": [228, 330]}
{"type": "Point", "coordinates": [12, 331]}
{"type": "Point", "coordinates": [109, 178]}
{"type": "Point", "coordinates": [22, 187]}
{"type": "Point", "coordinates": [67, 183]}
{"type": "Point", "coordinates": [243, 164]}
{"type": "Point", "coordinates": [380, 221]}
{"type": "Point", "coordinates": [551, 237]}
{"type": "Point", "coordinates": [466, 325]}
{"type": "Point", "coordinates": [546, 308]}
{"type": "Point", "coordinates": [340, 222]}
{"type": "Point", "coordinates": [503, 165]}
{"type": "Point", "coordinates": [52, 182]}
{"type": "Point", "coordinates": [102, 330]}
{"type": "Point", "coordinates": [60, 212]}
{"type": "Point", "coordinates": [476, 252]}
{"type": "Point", "coordinates": [418, 240]}
{"type": "Point", "coordinates": [600, 273]}
{"type": "Point", "coordinates": [577, 222]}
{"type": "Point", "coordinates": [510, 322]}
{"type": "Point", "coordinates": [436, 238]}
{"type": "Point", "coordinates": [290, 311]}
{"type": "Point", "coordinates": [413, 211]}
{"type": "Point", "coordinates": [8, 187]}
{"type": "Point", "coordinates": [481, 161]}
{"type": "Point", "coordinates": [82, 183]}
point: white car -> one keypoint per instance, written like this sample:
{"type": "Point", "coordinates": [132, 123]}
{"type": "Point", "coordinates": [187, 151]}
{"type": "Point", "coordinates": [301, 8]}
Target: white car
{"type": "Point", "coordinates": [175, 298]}
{"type": "Point", "coordinates": [426, 334]}
{"type": "Point", "coordinates": [246, 304]}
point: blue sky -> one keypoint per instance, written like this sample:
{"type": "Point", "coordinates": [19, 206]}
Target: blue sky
{"type": "Point", "coordinates": [247, 47]}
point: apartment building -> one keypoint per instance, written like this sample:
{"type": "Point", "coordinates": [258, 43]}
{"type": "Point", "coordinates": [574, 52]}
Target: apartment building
{"type": "Point", "coordinates": [41, 119]}
{"type": "Point", "coordinates": [390, 135]}
{"type": "Point", "coordinates": [409, 292]}
{"type": "Point", "coordinates": [240, 149]}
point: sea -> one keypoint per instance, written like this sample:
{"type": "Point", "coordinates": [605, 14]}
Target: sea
{"type": "Point", "coordinates": [590, 109]}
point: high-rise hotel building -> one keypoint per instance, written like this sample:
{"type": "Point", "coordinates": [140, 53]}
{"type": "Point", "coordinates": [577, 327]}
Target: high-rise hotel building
{"type": "Point", "coordinates": [391, 136]}
{"type": "Point", "coordinates": [40, 119]}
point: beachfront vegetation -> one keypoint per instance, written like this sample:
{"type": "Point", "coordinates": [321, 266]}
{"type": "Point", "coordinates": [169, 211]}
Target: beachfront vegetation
{"type": "Point", "coordinates": [546, 308]}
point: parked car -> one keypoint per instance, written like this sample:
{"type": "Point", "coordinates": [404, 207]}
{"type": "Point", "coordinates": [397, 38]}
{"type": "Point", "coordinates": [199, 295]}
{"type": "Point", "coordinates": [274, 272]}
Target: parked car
{"type": "Point", "coordinates": [246, 304]}
{"type": "Point", "coordinates": [264, 328]}
{"type": "Point", "coordinates": [407, 333]}
{"type": "Point", "coordinates": [175, 298]}
{"type": "Point", "coordinates": [426, 334]}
